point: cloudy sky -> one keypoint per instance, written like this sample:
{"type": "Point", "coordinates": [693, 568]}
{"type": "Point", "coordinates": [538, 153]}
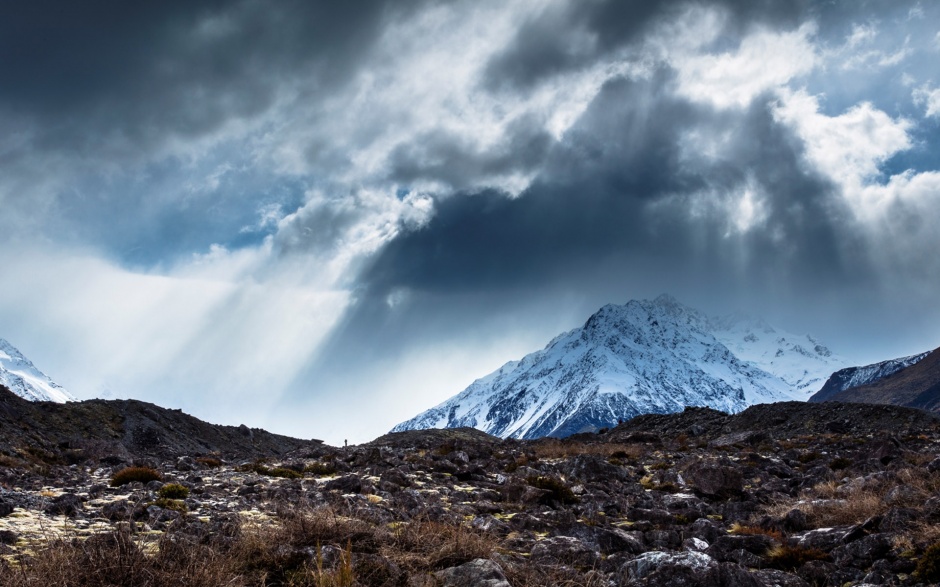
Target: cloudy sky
{"type": "Point", "coordinates": [324, 217]}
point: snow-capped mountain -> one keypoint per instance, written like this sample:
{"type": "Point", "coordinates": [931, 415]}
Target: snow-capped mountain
{"type": "Point", "coordinates": [20, 376]}
{"type": "Point", "coordinates": [642, 357]}
{"type": "Point", "coordinates": [850, 377]}
{"type": "Point", "coordinates": [799, 360]}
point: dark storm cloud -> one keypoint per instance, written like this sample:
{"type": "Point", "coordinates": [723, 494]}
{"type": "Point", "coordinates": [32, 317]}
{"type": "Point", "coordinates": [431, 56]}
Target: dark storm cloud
{"type": "Point", "coordinates": [445, 157]}
{"type": "Point", "coordinates": [614, 208]}
{"type": "Point", "coordinates": [94, 92]}
{"type": "Point", "coordinates": [143, 70]}
{"type": "Point", "coordinates": [568, 37]}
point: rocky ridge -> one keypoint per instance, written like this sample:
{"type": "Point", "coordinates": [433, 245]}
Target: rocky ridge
{"type": "Point", "coordinates": [790, 494]}
{"type": "Point", "coordinates": [118, 430]}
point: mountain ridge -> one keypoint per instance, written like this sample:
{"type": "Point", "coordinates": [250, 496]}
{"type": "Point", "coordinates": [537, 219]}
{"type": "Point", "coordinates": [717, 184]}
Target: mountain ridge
{"type": "Point", "coordinates": [915, 386]}
{"type": "Point", "coordinates": [123, 430]}
{"type": "Point", "coordinates": [850, 377]}
{"type": "Point", "coordinates": [641, 357]}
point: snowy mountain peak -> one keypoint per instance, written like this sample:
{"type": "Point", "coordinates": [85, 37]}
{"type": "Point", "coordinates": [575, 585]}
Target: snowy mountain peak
{"type": "Point", "coordinates": [20, 376]}
{"type": "Point", "coordinates": [641, 357]}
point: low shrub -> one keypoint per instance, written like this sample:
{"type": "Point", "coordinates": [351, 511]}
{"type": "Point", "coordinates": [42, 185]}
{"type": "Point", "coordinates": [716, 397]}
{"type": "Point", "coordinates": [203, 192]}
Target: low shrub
{"type": "Point", "coordinates": [790, 558]}
{"type": "Point", "coordinates": [808, 457]}
{"type": "Point", "coordinates": [132, 474]}
{"type": "Point", "coordinates": [558, 491]}
{"type": "Point", "coordinates": [211, 462]}
{"type": "Point", "coordinates": [840, 463]}
{"type": "Point", "coordinates": [320, 469]}
{"type": "Point", "coordinates": [282, 472]}
{"type": "Point", "coordinates": [173, 491]}
{"type": "Point", "coordinates": [928, 565]}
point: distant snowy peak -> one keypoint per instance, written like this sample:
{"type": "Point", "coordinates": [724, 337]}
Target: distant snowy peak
{"type": "Point", "coordinates": [641, 357]}
{"type": "Point", "coordinates": [20, 376]}
{"type": "Point", "coordinates": [800, 360]}
{"type": "Point", "coordinates": [850, 377]}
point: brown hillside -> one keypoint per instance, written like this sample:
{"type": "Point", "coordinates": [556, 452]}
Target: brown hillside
{"type": "Point", "coordinates": [917, 386]}
{"type": "Point", "coordinates": [123, 430]}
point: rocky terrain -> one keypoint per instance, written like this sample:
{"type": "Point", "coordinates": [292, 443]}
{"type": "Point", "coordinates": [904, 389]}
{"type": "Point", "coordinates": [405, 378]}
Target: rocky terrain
{"type": "Point", "coordinates": [789, 494]}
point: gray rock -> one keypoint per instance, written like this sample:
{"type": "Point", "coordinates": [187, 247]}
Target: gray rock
{"type": "Point", "coordinates": [477, 573]}
{"type": "Point", "coordinates": [185, 463]}
{"type": "Point", "coordinates": [345, 484]}
{"type": "Point", "coordinates": [714, 480]}
{"type": "Point", "coordinates": [67, 504]}
{"type": "Point", "coordinates": [650, 562]}
{"type": "Point", "coordinates": [934, 465]}
{"type": "Point", "coordinates": [566, 549]}
{"type": "Point", "coordinates": [8, 537]}
{"type": "Point", "coordinates": [863, 552]}
{"type": "Point", "coordinates": [775, 578]}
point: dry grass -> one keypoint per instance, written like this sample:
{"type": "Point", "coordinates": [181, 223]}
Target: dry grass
{"type": "Point", "coordinates": [746, 530]}
{"type": "Point", "coordinates": [832, 504]}
{"type": "Point", "coordinates": [118, 559]}
{"type": "Point", "coordinates": [822, 512]}
{"type": "Point", "coordinates": [553, 448]}
{"type": "Point", "coordinates": [790, 558]}
{"type": "Point", "coordinates": [135, 474]}
{"type": "Point", "coordinates": [530, 575]}
{"type": "Point", "coordinates": [300, 548]}
{"type": "Point", "coordinates": [424, 545]}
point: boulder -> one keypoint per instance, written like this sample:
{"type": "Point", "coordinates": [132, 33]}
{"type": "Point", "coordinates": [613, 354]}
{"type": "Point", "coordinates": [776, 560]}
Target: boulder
{"type": "Point", "coordinates": [477, 573]}
{"type": "Point", "coordinates": [714, 480]}
{"type": "Point", "coordinates": [67, 504]}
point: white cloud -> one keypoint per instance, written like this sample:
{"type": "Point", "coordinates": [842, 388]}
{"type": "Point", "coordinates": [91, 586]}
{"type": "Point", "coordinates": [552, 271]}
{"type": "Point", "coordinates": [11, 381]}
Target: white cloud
{"type": "Point", "coordinates": [861, 34]}
{"type": "Point", "coordinates": [764, 60]}
{"type": "Point", "coordinates": [424, 77]}
{"type": "Point", "coordinates": [929, 98]}
{"type": "Point", "coordinates": [850, 147]}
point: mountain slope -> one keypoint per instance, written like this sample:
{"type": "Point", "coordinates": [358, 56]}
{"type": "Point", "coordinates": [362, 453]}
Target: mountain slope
{"type": "Point", "coordinates": [19, 375]}
{"type": "Point", "coordinates": [642, 357]}
{"type": "Point", "coordinates": [915, 386]}
{"type": "Point", "coordinates": [849, 377]}
{"type": "Point", "coordinates": [123, 430]}
{"type": "Point", "coordinates": [799, 360]}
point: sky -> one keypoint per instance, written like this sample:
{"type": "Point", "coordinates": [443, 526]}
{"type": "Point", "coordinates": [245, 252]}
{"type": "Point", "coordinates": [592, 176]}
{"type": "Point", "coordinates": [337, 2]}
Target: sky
{"type": "Point", "coordinates": [322, 218]}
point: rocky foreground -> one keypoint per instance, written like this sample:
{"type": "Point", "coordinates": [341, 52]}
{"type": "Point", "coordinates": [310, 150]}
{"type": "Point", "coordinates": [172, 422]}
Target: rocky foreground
{"type": "Point", "coordinates": [786, 494]}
